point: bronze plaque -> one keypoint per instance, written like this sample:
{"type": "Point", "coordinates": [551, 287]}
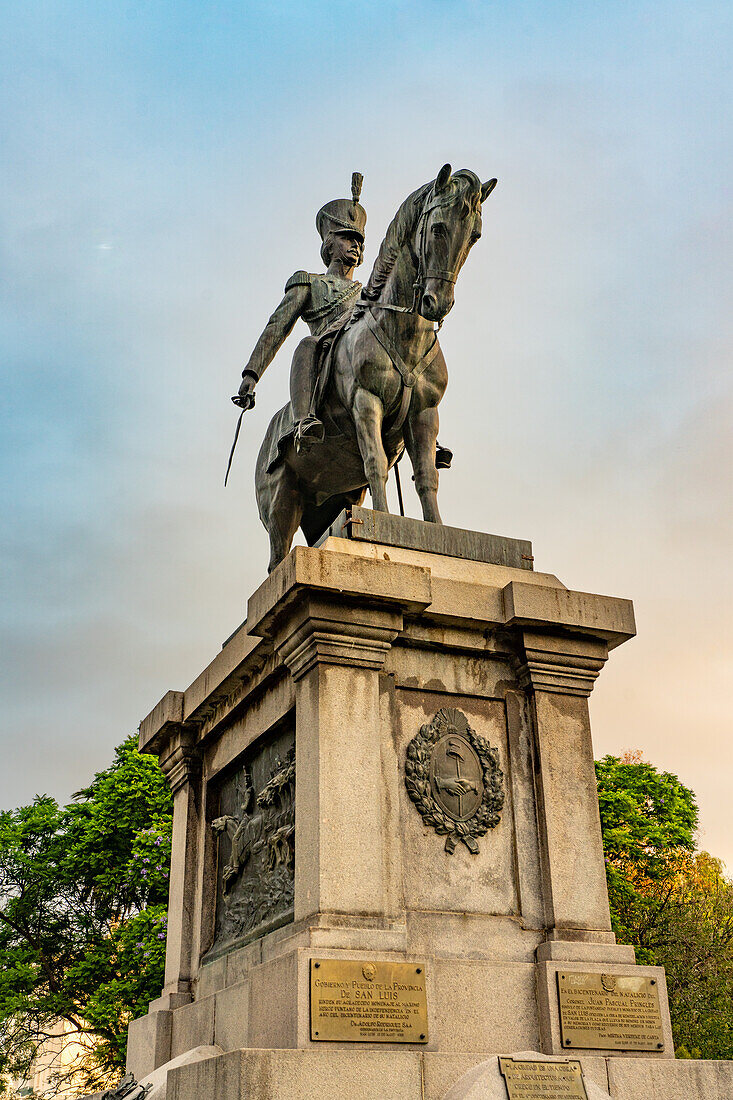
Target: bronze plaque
{"type": "Point", "coordinates": [609, 1012]}
{"type": "Point", "coordinates": [543, 1080]}
{"type": "Point", "coordinates": [362, 1001]}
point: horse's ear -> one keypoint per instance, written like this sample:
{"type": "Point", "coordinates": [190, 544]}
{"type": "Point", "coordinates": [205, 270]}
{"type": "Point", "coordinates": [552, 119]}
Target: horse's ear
{"type": "Point", "coordinates": [487, 188]}
{"type": "Point", "coordinates": [442, 180]}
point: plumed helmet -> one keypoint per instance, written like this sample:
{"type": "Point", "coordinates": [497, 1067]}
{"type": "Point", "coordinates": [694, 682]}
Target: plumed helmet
{"type": "Point", "coordinates": [343, 215]}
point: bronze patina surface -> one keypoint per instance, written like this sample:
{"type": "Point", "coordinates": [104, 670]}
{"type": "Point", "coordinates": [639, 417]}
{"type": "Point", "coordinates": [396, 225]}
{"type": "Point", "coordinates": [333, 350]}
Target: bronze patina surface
{"type": "Point", "coordinates": [609, 1012]}
{"type": "Point", "coordinates": [255, 830]}
{"type": "Point", "coordinates": [367, 382]}
{"type": "Point", "coordinates": [363, 1001]}
{"type": "Point", "coordinates": [453, 777]}
{"type": "Point", "coordinates": [543, 1080]}
{"type": "Point", "coordinates": [365, 525]}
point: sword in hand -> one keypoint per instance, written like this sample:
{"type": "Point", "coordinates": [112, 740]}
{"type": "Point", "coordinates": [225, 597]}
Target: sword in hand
{"type": "Point", "coordinates": [244, 401]}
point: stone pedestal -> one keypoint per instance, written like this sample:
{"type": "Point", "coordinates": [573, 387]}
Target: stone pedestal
{"type": "Point", "coordinates": [295, 836]}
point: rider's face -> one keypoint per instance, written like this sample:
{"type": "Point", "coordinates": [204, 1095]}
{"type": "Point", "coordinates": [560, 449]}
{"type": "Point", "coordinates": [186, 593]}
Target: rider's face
{"type": "Point", "coordinates": [346, 249]}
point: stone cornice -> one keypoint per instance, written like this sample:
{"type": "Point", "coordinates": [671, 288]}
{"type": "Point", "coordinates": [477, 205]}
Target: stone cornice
{"type": "Point", "coordinates": [182, 763]}
{"type": "Point", "coordinates": [563, 666]}
{"type": "Point", "coordinates": [324, 641]}
{"type": "Point", "coordinates": [559, 609]}
{"type": "Point", "coordinates": [348, 578]}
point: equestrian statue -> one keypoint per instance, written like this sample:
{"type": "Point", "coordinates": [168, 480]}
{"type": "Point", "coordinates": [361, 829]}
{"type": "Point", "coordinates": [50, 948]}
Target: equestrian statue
{"type": "Point", "coordinates": [367, 382]}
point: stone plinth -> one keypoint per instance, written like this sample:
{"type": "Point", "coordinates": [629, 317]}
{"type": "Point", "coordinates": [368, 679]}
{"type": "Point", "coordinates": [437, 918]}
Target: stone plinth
{"type": "Point", "coordinates": [295, 836]}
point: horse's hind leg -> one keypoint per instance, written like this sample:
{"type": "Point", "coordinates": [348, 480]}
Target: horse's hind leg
{"type": "Point", "coordinates": [281, 510]}
{"type": "Point", "coordinates": [421, 433]}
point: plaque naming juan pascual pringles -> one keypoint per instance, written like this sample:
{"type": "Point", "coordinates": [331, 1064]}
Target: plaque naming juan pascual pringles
{"type": "Point", "coordinates": [364, 1001]}
{"type": "Point", "coordinates": [609, 1012]}
{"type": "Point", "coordinates": [528, 1080]}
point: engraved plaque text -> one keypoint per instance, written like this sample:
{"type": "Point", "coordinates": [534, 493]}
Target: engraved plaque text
{"type": "Point", "coordinates": [364, 1001]}
{"type": "Point", "coordinates": [543, 1080]}
{"type": "Point", "coordinates": [609, 1012]}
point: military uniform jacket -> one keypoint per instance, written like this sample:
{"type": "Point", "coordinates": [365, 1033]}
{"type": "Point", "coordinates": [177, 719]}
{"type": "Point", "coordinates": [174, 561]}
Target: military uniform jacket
{"type": "Point", "coordinates": [331, 297]}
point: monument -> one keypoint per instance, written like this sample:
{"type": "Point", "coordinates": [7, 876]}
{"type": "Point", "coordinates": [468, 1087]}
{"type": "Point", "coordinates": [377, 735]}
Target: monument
{"type": "Point", "coordinates": [387, 875]}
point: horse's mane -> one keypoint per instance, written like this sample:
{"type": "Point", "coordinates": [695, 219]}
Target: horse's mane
{"type": "Point", "coordinates": [403, 225]}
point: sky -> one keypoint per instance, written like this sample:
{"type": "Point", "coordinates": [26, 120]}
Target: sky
{"type": "Point", "coordinates": [162, 166]}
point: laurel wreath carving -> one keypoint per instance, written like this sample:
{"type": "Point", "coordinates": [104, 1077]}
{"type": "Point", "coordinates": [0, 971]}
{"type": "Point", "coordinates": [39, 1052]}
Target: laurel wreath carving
{"type": "Point", "coordinates": [417, 781]}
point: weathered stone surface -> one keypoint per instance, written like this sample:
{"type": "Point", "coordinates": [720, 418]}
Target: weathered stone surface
{"type": "Point", "coordinates": [231, 1017]}
{"type": "Point", "coordinates": [570, 828]}
{"type": "Point", "coordinates": [274, 995]}
{"type": "Point", "coordinates": [578, 951]}
{"type": "Point", "coordinates": [149, 1042]}
{"type": "Point", "coordinates": [443, 1070]}
{"type": "Point", "coordinates": [342, 863]}
{"type": "Point", "coordinates": [636, 1078]}
{"type": "Point", "coordinates": [211, 977]}
{"type": "Point", "coordinates": [193, 1026]}
{"type": "Point", "coordinates": [471, 936]}
{"type": "Point", "coordinates": [470, 1006]}
{"type": "Point", "coordinates": [332, 1074]}
{"type": "Point", "coordinates": [358, 659]}
{"type": "Point", "coordinates": [485, 882]}
{"type": "Point", "coordinates": [366, 525]}
{"type": "Point", "coordinates": [604, 617]}
{"type": "Point", "coordinates": [485, 1081]}
{"type": "Point", "coordinates": [159, 1077]}
{"type": "Point", "coordinates": [398, 584]}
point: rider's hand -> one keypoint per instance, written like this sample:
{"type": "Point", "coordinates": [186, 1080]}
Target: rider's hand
{"type": "Point", "coordinates": [246, 396]}
{"type": "Point", "coordinates": [248, 385]}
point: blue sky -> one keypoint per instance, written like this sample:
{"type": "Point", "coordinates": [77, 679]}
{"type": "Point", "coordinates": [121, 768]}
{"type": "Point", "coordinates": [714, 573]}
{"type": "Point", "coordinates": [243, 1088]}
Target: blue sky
{"type": "Point", "coordinates": [162, 166]}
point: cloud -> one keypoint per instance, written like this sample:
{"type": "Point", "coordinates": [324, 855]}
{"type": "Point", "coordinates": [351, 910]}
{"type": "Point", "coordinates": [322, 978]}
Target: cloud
{"type": "Point", "coordinates": [588, 350]}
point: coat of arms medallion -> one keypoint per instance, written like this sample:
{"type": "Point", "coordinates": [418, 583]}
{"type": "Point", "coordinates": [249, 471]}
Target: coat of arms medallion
{"type": "Point", "coordinates": [453, 777]}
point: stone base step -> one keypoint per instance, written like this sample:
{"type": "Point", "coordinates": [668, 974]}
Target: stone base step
{"type": "Point", "coordinates": [341, 1074]}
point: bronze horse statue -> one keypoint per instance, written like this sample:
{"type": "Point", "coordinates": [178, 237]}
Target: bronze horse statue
{"type": "Point", "coordinates": [384, 377]}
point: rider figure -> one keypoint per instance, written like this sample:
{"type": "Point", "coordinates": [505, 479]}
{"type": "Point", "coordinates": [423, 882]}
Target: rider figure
{"type": "Point", "coordinates": [322, 301]}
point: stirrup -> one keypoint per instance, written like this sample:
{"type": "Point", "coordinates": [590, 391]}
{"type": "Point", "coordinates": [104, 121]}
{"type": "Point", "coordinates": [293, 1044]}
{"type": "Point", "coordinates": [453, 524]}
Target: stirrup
{"type": "Point", "coordinates": [443, 457]}
{"type": "Point", "coordinates": [309, 430]}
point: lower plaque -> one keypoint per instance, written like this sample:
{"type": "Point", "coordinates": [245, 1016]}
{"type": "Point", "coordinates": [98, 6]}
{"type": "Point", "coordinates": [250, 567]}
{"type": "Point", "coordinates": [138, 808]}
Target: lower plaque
{"type": "Point", "coordinates": [609, 1012]}
{"type": "Point", "coordinates": [368, 1002]}
{"type": "Point", "coordinates": [543, 1080]}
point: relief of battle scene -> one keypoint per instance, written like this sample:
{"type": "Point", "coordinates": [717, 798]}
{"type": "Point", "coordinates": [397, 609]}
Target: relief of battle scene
{"type": "Point", "coordinates": [255, 831]}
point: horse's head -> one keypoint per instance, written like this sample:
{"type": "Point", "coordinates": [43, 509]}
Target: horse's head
{"type": "Point", "coordinates": [448, 227]}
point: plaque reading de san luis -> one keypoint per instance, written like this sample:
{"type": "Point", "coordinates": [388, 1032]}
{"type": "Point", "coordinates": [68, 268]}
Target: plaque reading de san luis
{"type": "Point", "coordinates": [609, 1012]}
{"type": "Point", "coordinates": [530, 1080]}
{"type": "Point", "coordinates": [365, 1001]}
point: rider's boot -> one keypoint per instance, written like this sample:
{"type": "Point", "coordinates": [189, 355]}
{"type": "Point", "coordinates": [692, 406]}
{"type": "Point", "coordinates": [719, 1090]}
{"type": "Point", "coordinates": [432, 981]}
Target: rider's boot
{"type": "Point", "coordinates": [308, 428]}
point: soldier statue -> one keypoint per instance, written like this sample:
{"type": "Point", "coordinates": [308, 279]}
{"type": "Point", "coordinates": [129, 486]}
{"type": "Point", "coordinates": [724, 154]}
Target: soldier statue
{"type": "Point", "coordinates": [366, 384]}
{"type": "Point", "coordinates": [323, 301]}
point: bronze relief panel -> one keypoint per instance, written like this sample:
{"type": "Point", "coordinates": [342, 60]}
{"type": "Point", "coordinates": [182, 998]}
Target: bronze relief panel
{"type": "Point", "coordinates": [255, 842]}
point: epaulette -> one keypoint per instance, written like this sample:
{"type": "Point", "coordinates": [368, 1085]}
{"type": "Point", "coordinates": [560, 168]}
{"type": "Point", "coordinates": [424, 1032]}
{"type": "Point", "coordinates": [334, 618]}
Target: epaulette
{"type": "Point", "coordinates": [300, 278]}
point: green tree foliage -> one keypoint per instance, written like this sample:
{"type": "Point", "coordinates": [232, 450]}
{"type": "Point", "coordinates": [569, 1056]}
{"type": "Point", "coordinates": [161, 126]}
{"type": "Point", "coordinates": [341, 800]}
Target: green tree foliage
{"type": "Point", "coordinates": [648, 818]}
{"type": "Point", "coordinates": [83, 894]}
{"type": "Point", "coordinates": [673, 904]}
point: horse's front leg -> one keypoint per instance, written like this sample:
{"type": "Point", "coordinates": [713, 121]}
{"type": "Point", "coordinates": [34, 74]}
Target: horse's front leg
{"type": "Point", "coordinates": [421, 433]}
{"type": "Point", "coordinates": [368, 413]}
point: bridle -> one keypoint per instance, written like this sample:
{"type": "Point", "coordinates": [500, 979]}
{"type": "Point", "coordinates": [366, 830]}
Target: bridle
{"type": "Point", "coordinates": [423, 273]}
